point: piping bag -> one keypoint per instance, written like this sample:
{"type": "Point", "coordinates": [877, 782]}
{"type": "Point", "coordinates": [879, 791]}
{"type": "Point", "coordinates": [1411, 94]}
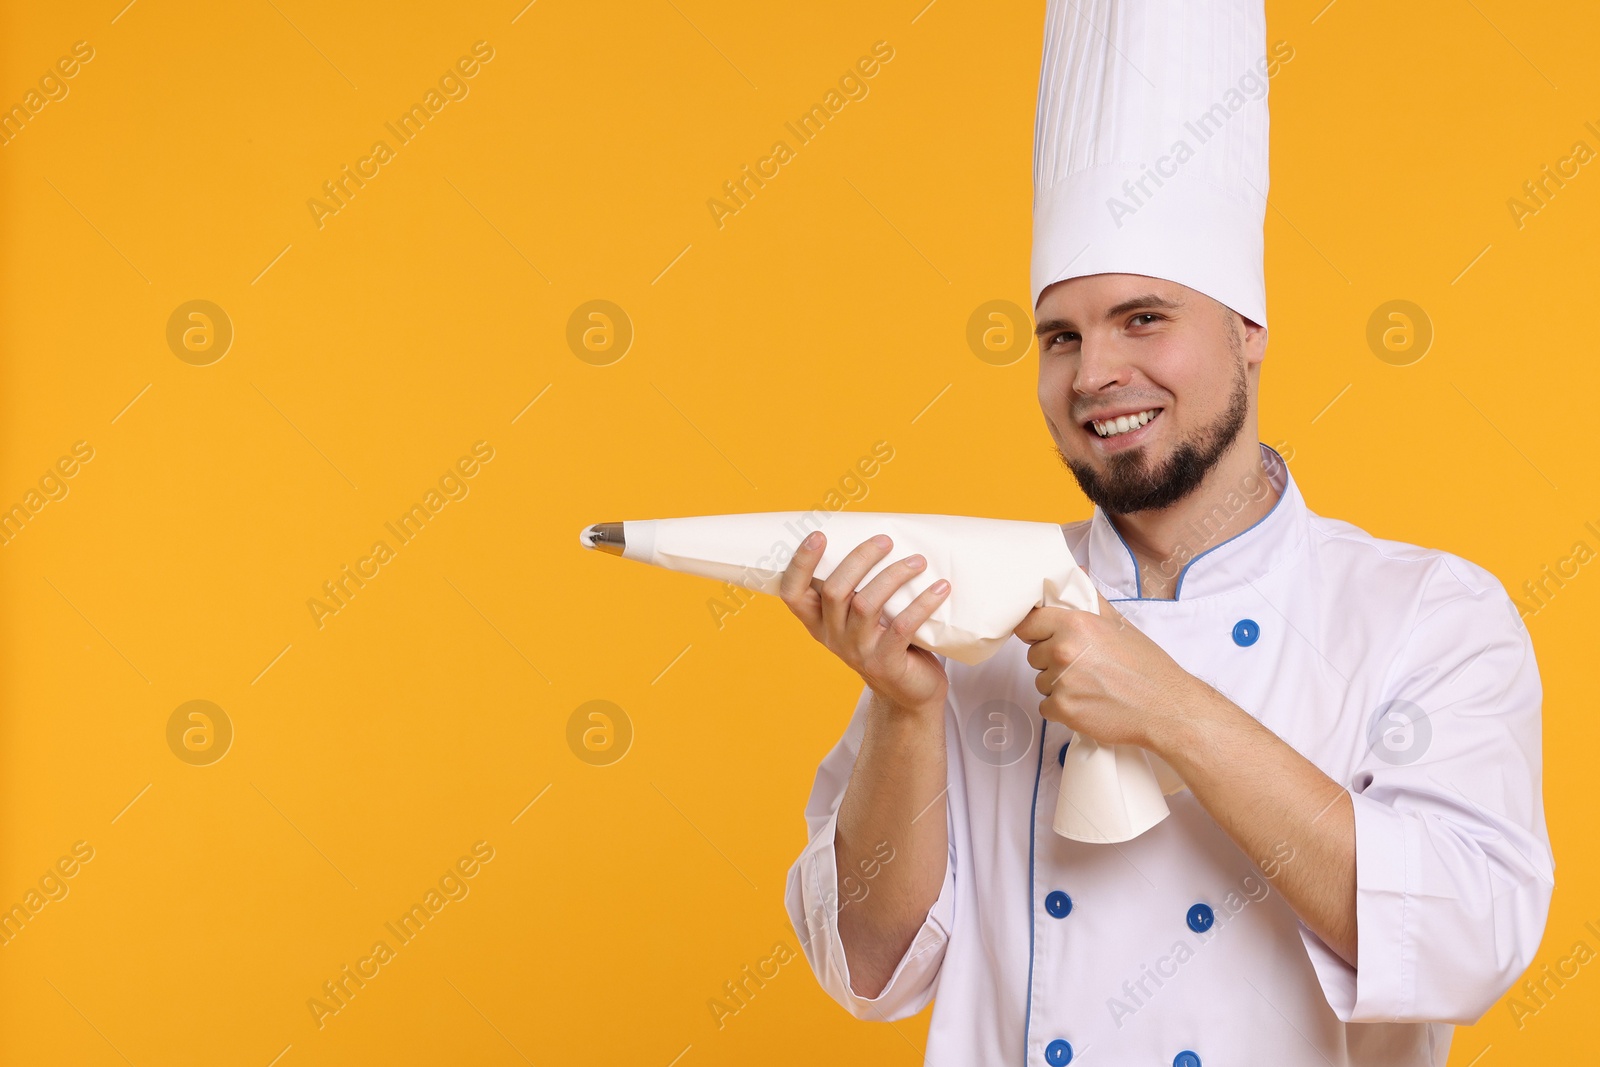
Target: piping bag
{"type": "Point", "coordinates": [999, 570]}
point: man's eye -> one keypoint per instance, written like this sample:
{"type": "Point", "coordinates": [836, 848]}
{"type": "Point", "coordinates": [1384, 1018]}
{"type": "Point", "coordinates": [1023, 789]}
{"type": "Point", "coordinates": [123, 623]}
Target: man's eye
{"type": "Point", "coordinates": [1138, 320]}
{"type": "Point", "coordinates": [1066, 337]}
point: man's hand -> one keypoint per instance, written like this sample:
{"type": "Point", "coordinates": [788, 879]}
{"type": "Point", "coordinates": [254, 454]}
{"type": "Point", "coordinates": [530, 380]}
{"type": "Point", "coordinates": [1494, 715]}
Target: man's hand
{"type": "Point", "coordinates": [899, 774]}
{"type": "Point", "coordinates": [846, 619]}
{"type": "Point", "coordinates": [1104, 678]}
{"type": "Point", "coordinates": [1101, 676]}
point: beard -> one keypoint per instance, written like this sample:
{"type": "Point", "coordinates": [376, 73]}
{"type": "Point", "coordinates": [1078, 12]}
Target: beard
{"type": "Point", "coordinates": [1131, 483]}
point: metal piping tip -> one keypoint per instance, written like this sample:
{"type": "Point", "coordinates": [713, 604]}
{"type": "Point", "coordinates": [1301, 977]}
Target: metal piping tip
{"type": "Point", "coordinates": [606, 536]}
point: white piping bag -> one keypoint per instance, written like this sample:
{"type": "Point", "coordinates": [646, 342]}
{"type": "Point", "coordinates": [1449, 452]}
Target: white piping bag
{"type": "Point", "coordinates": [999, 570]}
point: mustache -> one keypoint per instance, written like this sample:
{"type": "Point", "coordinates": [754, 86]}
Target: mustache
{"type": "Point", "coordinates": [1134, 403]}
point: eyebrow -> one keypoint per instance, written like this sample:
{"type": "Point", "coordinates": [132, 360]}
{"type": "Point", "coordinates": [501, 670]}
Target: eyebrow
{"type": "Point", "coordinates": [1147, 300]}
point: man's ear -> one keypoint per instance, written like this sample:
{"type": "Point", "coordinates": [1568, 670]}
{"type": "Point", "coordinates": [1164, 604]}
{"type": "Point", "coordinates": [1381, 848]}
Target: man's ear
{"type": "Point", "coordinates": [1255, 341]}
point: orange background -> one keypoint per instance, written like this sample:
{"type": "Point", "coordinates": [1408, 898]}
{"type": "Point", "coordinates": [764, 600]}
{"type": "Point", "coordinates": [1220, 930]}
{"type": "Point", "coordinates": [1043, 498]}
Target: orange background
{"type": "Point", "coordinates": [768, 355]}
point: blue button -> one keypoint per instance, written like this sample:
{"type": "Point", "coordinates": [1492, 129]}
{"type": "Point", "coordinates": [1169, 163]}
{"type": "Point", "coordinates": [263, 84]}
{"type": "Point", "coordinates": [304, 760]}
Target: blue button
{"type": "Point", "coordinates": [1186, 1059]}
{"type": "Point", "coordinates": [1058, 1053]}
{"type": "Point", "coordinates": [1061, 757]}
{"type": "Point", "coordinates": [1058, 904]}
{"type": "Point", "coordinates": [1200, 918]}
{"type": "Point", "coordinates": [1245, 632]}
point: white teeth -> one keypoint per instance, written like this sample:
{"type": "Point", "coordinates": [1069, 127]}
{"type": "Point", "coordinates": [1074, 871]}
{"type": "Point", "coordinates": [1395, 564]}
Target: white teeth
{"type": "Point", "coordinates": [1124, 423]}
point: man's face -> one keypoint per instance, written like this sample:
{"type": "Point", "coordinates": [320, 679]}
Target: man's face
{"type": "Point", "coordinates": [1175, 364]}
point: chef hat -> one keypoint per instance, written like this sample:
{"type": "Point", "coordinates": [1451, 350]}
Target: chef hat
{"type": "Point", "coordinates": [1150, 146]}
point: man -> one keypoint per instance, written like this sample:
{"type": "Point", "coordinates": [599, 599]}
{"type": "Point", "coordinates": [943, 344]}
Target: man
{"type": "Point", "coordinates": [1360, 857]}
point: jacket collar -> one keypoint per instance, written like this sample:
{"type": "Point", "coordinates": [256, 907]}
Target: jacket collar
{"type": "Point", "coordinates": [1225, 566]}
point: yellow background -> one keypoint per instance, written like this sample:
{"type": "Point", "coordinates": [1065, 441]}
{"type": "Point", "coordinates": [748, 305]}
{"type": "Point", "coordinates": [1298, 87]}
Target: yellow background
{"type": "Point", "coordinates": [769, 355]}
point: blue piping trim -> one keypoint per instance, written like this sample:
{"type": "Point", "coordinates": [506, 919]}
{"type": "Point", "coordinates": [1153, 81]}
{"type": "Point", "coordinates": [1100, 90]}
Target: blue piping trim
{"type": "Point", "coordinates": [1033, 837]}
{"type": "Point", "coordinates": [1177, 590]}
{"type": "Point", "coordinates": [1138, 582]}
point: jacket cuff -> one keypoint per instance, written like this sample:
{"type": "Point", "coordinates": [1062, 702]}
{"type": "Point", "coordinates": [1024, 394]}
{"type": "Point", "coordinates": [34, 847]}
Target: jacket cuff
{"type": "Point", "coordinates": [813, 903]}
{"type": "Point", "coordinates": [1375, 991]}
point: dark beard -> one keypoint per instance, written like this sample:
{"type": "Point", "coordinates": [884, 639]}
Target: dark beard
{"type": "Point", "coordinates": [1128, 485]}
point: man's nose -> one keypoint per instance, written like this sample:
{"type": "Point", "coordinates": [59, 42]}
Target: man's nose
{"type": "Point", "coordinates": [1101, 363]}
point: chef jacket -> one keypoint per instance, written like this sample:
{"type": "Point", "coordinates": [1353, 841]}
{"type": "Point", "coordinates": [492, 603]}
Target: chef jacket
{"type": "Point", "coordinates": [1403, 673]}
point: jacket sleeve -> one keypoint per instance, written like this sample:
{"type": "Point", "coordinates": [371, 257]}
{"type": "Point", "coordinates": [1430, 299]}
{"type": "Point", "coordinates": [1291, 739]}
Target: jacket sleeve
{"type": "Point", "coordinates": [813, 897]}
{"type": "Point", "coordinates": [1453, 865]}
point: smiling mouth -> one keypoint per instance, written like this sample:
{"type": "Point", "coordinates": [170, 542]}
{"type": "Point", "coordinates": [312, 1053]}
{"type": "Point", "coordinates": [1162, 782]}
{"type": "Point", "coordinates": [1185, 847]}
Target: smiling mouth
{"type": "Point", "coordinates": [1122, 424]}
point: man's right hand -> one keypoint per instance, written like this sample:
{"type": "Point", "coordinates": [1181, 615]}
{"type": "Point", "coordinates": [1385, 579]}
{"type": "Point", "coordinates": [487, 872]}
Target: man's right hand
{"type": "Point", "coordinates": [899, 773]}
{"type": "Point", "coordinates": [846, 620]}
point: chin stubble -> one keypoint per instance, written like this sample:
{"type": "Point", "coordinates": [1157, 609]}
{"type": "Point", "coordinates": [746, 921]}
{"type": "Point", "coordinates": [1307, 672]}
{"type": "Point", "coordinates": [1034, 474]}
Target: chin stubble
{"type": "Point", "coordinates": [1128, 484]}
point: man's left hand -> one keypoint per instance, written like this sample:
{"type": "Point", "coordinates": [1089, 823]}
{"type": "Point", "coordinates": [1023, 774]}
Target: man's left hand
{"type": "Point", "coordinates": [1104, 678]}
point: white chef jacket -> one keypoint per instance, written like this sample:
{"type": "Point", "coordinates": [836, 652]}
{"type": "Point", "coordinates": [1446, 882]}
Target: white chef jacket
{"type": "Point", "coordinates": [1404, 673]}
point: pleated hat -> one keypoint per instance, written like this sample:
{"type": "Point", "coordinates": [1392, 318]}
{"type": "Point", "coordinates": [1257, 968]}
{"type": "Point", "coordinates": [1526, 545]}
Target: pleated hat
{"type": "Point", "coordinates": [1150, 146]}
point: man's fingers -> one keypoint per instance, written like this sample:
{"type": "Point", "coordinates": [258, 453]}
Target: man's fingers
{"type": "Point", "coordinates": [794, 588]}
{"type": "Point", "coordinates": [1045, 681]}
{"type": "Point", "coordinates": [1039, 624]}
{"type": "Point", "coordinates": [1050, 632]}
{"type": "Point", "coordinates": [867, 605]}
{"type": "Point", "coordinates": [897, 638]}
{"type": "Point", "coordinates": [837, 589]}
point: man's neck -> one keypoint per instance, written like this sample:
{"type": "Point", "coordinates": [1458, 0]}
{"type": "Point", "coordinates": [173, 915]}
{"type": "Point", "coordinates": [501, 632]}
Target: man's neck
{"type": "Point", "coordinates": [1234, 495]}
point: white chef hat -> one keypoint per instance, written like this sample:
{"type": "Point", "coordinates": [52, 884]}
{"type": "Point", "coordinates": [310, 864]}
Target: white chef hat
{"type": "Point", "coordinates": [1150, 146]}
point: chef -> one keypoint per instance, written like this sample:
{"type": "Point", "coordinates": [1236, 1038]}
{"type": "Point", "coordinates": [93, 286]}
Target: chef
{"type": "Point", "coordinates": [1357, 856]}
